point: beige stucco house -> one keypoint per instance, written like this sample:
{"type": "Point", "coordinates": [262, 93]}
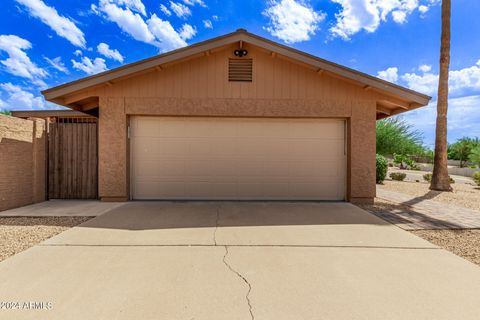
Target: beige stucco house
{"type": "Point", "coordinates": [236, 117]}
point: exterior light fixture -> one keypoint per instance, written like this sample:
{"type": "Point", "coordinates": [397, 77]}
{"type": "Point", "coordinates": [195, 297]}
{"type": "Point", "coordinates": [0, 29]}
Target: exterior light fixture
{"type": "Point", "coordinates": [240, 53]}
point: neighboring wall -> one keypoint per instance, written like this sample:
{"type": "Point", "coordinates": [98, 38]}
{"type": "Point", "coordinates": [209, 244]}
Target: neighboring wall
{"type": "Point", "coordinates": [465, 172]}
{"type": "Point", "coordinates": [22, 161]}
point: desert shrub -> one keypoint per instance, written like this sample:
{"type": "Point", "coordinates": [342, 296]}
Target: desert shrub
{"type": "Point", "coordinates": [476, 178]}
{"type": "Point", "coordinates": [475, 155]}
{"type": "Point", "coordinates": [395, 135]}
{"type": "Point", "coordinates": [462, 149]}
{"type": "Point", "coordinates": [400, 160]}
{"type": "Point", "coordinates": [382, 167]}
{"type": "Point", "coordinates": [405, 162]}
{"type": "Point", "coordinates": [428, 177]}
{"type": "Point", "coordinates": [398, 176]}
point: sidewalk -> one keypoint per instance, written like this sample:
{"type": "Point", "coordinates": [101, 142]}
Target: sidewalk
{"type": "Point", "coordinates": [427, 214]}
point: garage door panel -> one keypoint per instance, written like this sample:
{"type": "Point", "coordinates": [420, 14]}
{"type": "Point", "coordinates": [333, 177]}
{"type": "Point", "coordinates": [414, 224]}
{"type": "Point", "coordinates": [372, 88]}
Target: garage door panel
{"type": "Point", "coordinates": [314, 190]}
{"type": "Point", "coordinates": [160, 168]}
{"type": "Point", "coordinates": [314, 170]}
{"type": "Point", "coordinates": [148, 127]}
{"type": "Point", "coordinates": [212, 158]}
{"type": "Point", "coordinates": [210, 190]}
{"type": "Point", "coordinates": [208, 147]}
{"type": "Point", "coordinates": [157, 148]}
{"type": "Point", "coordinates": [326, 129]}
{"type": "Point", "coordinates": [149, 190]}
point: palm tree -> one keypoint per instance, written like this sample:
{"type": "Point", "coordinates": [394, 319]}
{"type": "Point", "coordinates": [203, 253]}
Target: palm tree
{"type": "Point", "coordinates": [440, 178]}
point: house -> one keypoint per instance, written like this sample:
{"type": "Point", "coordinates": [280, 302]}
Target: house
{"type": "Point", "coordinates": [236, 117]}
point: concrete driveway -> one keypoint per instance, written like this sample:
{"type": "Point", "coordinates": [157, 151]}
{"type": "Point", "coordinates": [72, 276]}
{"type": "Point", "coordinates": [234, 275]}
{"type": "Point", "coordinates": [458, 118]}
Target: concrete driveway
{"type": "Point", "coordinates": [238, 260]}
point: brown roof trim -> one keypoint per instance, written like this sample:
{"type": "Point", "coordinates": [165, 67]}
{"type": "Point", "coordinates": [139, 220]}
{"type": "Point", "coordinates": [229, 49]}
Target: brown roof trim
{"type": "Point", "coordinates": [48, 113]}
{"type": "Point", "coordinates": [239, 35]}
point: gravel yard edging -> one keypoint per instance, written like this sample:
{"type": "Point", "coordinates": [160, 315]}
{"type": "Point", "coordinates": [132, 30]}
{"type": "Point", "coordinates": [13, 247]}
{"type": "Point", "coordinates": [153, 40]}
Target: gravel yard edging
{"type": "Point", "coordinates": [20, 233]}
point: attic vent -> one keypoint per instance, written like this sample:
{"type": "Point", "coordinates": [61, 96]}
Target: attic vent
{"type": "Point", "coordinates": [240, 70]}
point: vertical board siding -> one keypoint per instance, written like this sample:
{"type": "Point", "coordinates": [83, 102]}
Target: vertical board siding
{"type": "Point", "coordinates": [207, 77]}
{"type": "Point", "coordinates": [72, 168]}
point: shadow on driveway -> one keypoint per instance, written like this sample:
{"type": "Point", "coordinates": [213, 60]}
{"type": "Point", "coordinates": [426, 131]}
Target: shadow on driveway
{"type": "Point", "coordinates": [152, 215]}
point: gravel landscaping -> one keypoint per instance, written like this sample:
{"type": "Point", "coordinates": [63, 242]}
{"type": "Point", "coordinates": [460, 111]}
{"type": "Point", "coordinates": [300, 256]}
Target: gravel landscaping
{"type": "Point", "coordinates": [464, 243]}
{"type": "Point", "coordinates": [20, 233]}
{"type": "Point", "coordinates": [463, 195]}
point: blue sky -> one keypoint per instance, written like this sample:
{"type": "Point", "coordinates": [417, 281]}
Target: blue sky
{"type": "Point", "coordinates": [44, 43]}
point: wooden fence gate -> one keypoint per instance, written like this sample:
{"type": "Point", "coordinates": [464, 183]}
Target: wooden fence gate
{"type": "Point", "coordinates": [73, 159]}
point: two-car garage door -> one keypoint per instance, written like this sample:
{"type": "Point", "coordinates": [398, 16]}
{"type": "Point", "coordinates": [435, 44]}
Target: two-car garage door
{"type": "Point", "coordinates": [233, 158]}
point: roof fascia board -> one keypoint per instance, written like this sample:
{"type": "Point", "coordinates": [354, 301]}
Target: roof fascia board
{"type": "Point", "coordinates": [337, 69]}
{"type": "Point", "coordinates": [228, 39]}
{"type": "Point", "coordinates": [138, 67]}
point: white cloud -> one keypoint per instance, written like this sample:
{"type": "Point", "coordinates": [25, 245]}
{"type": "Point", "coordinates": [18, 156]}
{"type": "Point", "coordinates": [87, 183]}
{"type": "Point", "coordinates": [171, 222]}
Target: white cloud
{"type": "Point", "coordinates": [215, 18]}
{"type": "Point", "coordinates": [64, 27]}
{"type": "Point", "coordinates": [292, 20]}
{"type": "Point", "coordinates": [187, 32]}
{"type": "Point", "coordinates": [423, 8]}
{"type": "Point", "coordinates": [104, 49]}
{"type": "Point", "coordinates": [207, 24]}
{"type": "Point", "coordinates": [94, 8]}
{"type": "Point", "coordinates": [130, 22]}
{"type": "Point", "coordinates": [165, 10]}
{"type": "Point", "coordinates": [154, 31]}
{"type": "Point", "coordinates": [391, 74]}
{"type": "Point", "coordinates": [181, 10]}
{"type": "Point", "coordinates": [18, 63]}
{"type": "Point", "coordinates": [425, 68]}
{"type": "Point", "coordinates": [425, 83]}
{"type": "Point", "coordinates": [78, 53]}
{"type": "Point", "coordinates": [194, 2]}
{"type": "Point", "coordinates": [134, 5]}
{"type": "Point", "coordinates": [460, 81]}
{"type": "Point", "coordinates": [19, 99]}
{"type": "Point", "coordinates": [358, 15]}
{"type": "Point", "coordinates": [57, 64]}
{"type": "Point", "coordinates": [399, 16]}
{"type": "Point", "coordinates": [459, 125]}
{"type": "Point", "coordinates": [167, 38]}
{"type": "Point", "coordinates": [88, 66]}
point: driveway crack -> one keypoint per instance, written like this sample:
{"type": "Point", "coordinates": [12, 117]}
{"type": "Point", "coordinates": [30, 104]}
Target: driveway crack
{"type": "Point", "coordinates": [216, 226]}
{"type": "Point", "coordinates": [247, 296]}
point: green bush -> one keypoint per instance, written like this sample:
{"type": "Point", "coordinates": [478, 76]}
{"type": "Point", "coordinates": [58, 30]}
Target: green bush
{"type": "Point", "coordinates": [396, 135]}
{"type": "Point", "coordinates": [405, 162]}
{"type": "Point", "coordinates": [382, 167]}
{"type": "Point", "coordinates": [400, 160]}
{"type": "Point", "coordinates": [475, 155]}
{"type": "Point", "coordinates": [476, 177]}
{"type": "Point", "coordinates": [428, 177]}
{"type": "Point", "coordinates": [398, 176]}
{"type": "Point", "coordinates": [462, 149]}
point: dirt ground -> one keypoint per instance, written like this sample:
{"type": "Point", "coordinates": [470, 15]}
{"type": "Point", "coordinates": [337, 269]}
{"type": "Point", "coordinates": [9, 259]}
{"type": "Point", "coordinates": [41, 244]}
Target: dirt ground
{"type": "Point", "coordinates": [20, 233]}
{"type": "Point", "coordinates": [463, 195]}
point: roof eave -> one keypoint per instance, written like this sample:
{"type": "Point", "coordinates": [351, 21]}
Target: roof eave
{"type": "Point", "coordinates": [240, 35]}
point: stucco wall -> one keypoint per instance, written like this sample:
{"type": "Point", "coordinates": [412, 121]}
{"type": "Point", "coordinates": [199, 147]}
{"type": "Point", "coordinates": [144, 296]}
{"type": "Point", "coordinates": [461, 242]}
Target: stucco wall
{"type": "Point", "coordinates": [22, 162]}
{"type": "Point", "coordinates": [199, 87]}
{"type": "Point", "coordinates": [112, 150]}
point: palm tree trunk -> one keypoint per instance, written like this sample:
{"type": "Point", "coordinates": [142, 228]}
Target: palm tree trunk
{"type": "Point", "coordinates": [440, 178]}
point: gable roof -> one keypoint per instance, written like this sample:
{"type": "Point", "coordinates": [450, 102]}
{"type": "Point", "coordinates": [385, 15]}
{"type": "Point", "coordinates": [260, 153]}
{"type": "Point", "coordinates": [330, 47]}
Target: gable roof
{"type": "Point", "coordinates": [411, 99]}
